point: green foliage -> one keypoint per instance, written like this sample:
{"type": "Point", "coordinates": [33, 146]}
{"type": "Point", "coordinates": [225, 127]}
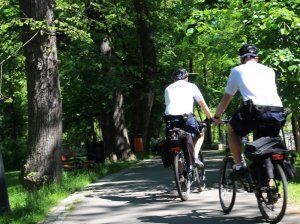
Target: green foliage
{"type": "Point", "coordinates": [70, 20]}
{"type": "Point", "coordinates": [286, 61]}
{"type": "Point", "coordinates": [89, 79]}
{"type": "Point", "coordinates": [13, 111]}
{"type": "Point", "coordinates": [218, 31]}
{"type": "Point", "coordinates": [276, 27]}
{"type": "Point", "coordinates": [202, 36]}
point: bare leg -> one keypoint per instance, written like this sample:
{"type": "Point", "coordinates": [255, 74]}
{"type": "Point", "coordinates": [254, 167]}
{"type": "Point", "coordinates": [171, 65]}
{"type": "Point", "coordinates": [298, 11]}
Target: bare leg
{"type": "Point", "coordinates": [198, 144]}
{"type": "Point", "coordinates": [271, 183]}
{"type": "Point", "coordinates": [235, 145]}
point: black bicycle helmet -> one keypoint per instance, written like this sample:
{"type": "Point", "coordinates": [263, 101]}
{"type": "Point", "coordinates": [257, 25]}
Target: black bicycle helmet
{"type": "Point", "coordinates": [248, 50]}
{"type": "Point", "coordinates": [180, 74]}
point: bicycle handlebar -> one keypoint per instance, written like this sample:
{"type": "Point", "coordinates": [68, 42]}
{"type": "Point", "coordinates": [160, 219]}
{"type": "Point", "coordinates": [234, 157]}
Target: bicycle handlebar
{"type": "Point", "coordinates": [226, 120]}
{"type": "Point", "coordinates": [212, 121]}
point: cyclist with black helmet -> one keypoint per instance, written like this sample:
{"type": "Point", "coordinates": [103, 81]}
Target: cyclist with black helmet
{"type": "Point", "coordinates": [256, 83]}
{"type": "Point", "coordinates": [179, 100]}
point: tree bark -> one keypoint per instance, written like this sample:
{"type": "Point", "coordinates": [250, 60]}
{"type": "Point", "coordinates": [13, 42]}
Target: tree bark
{"type": "Point", "coordinates": [4, 200]}
{"type": "Point", "coordinates": [191, 65]}
{"type": "Point", "coordinates": [114, 131]}
{"type": "Point", "coordinates": [144, 98]}
{"type": "Point", "coordinates": [44, 101]}
{"type": "Point", "coordinates": [113, 126]}
{"type": "Point", "coordinates": [205, 73]}
{"type": "Point", "coordinates": [296, 130]}
{"type": "Point", "coordinates": [144, 95]}
{"type": "Point", "coordinates": [208, 139]}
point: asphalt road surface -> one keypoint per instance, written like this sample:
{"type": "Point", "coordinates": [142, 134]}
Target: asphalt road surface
{"type": "Point", "coordinates": [147, 194]}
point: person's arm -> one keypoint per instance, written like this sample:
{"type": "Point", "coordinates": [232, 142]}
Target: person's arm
{"type": "Point", "coordinates": [230, 90]}
{"type": "Point", "coordinates": [222, 106]}
{"type": "Point", "coordinates": [205, 108]}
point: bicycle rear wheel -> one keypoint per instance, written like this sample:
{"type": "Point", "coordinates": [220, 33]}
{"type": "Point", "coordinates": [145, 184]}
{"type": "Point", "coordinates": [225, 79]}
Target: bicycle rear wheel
{"type": "Point", "coordinates": [183, 184]}
{"type": "Point", "coordinates": [227, 187]}
{"type": "Point", "coordinates": [200, 175]}
{"type": "Point", "coordinates": [272, 202]}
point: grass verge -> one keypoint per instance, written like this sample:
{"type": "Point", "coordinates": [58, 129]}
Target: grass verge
{"type": "Point", "coordinates": [32, 207]}
{"type": "Point", "coordinates": [294, 187]}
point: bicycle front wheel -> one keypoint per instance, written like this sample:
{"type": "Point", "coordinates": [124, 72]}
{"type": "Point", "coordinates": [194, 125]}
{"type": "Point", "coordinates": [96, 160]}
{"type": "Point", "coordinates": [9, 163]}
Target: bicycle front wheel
{"type": "Point", "coordinates": [227, 187]}
{"type": "Point", "coordinates": [181, 179]}
{"type": "Point", "coordinates": [272, 201]}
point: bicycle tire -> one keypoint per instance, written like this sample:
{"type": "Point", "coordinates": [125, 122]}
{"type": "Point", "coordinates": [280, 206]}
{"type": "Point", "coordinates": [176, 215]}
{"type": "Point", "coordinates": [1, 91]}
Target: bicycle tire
{"type": "Point", "coordinates": [274, 209]}
{"type": "Point", "coordinates": [227, 187]}
{"type": "Point", "coordinates": [181, 180]}
{"type": "Point", "coordinates": [200, 175]}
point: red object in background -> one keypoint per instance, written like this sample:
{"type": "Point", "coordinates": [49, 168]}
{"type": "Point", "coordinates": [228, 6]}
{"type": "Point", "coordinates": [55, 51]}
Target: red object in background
{"type": "Point", "coordinates": [64, 158]}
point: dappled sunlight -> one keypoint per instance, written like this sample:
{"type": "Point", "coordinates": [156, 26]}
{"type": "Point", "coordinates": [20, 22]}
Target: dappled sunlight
{"type": "Point", "coordinates": [146, 193]}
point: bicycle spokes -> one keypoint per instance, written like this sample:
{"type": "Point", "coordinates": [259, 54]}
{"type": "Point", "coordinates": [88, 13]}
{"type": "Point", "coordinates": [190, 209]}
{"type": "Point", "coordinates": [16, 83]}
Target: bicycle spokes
{"type": "Point", "coordinates": [272, 200]}
{"type": "Point", "coordinates": [227, 187]}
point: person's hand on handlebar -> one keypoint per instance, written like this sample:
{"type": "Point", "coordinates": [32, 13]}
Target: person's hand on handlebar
{"type": "Point", "coordinates": [217, 120]}
{"type": "Point", "coordinates": [209, 120]}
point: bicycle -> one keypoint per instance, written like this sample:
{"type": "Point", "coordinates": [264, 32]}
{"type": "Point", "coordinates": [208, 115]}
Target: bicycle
{"type": "Point", "coordinates": [183, 178]}
{"type": "Point", "coordinates": [272, 201]}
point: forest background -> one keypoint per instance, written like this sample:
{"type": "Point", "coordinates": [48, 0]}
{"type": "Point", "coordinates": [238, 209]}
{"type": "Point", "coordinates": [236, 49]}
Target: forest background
{"type": "Point", "coordinates": [77, 72]}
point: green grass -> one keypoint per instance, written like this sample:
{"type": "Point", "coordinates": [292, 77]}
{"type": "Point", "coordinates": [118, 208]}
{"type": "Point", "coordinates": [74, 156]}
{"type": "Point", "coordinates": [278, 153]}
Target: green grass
{"type": "Point", "coordinates": [294, 187]}
{"type": "Point", "coordinates": [294, 193]}
{"type": "Point", "coordinates": [32, 207]}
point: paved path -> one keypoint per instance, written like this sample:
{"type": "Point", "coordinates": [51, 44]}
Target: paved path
{"type": "Point", "coordinates": [147, 194]}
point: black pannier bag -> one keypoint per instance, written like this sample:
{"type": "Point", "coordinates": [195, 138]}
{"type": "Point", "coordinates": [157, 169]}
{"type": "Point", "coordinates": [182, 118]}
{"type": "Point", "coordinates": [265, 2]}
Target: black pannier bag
{"type": "Point", "coordinates": [172, 140]}
{"type": "Point", "coordinates": [166, 155]}
{"type": "Point", "coordinates": [177, 138]}
{"type": "Point", "coordinates": [289, 167]}
{"type": "Point", "coordinates": [263, 147]}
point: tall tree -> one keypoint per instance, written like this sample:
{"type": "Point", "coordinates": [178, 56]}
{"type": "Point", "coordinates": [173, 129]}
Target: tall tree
{"type": "Point", "coordinates": [144, 95]}
{"type": "Point", "coordinates": [113, 126]}
{"type": "Point", "coordinates": [44, 102]}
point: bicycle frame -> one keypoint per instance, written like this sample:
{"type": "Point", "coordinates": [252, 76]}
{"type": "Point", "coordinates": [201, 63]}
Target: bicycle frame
{"type": "Point", "coordinates": [183, 178]}
{"type": "Point", "coordinates": [272, 200]}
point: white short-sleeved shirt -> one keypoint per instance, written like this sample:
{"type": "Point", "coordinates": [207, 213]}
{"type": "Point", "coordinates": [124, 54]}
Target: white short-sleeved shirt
{"type": "Point", "coordinates": [180, 96]}
{"type": "Point", "coordinates": [255, 82]}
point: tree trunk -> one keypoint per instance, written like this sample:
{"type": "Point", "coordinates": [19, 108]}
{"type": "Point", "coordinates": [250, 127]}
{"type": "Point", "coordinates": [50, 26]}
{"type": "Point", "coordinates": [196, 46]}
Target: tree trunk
{"type": "Point", "coordinates": [205, 79]}
{"type": "Point", "coordinates": [191, 65]}
{"type": "Point", "coordinates": [114, 131]}
{"type": "Point", "coordinates": [115, 136]}
{"type": "Point", "coordinates": [205, 73]}
{"type": "Point", "coordinates": [144, 95]}
{"type": "Point", "coordinates": [296, 130]}
{"type": "Point", "coordinates": [4, 200]}
{"type": "Point", "coordinates": [144, 98]}
{"type": "Point", "coordinates": [44, 102]}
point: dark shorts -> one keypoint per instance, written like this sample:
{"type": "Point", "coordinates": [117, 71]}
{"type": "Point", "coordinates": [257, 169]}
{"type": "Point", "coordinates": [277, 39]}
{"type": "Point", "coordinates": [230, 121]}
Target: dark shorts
{"type": "Point", "coordinates": [189, 124]}
{"type": "Point", "coordinates": [243, 122]}
{"type": "Point", "coordinates": [193, 125]}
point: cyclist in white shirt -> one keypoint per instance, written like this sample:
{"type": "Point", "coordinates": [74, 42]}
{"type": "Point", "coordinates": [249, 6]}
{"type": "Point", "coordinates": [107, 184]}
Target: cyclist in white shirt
{"type": "Point", "coordinates": [179, 100]}
{"type": "Point", "coordinates": [256, 83]}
